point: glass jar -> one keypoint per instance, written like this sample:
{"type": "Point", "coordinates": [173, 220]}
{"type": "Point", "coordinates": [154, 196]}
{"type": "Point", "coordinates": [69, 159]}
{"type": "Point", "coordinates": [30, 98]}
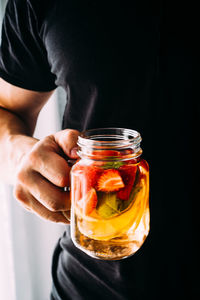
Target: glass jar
{"type": "Point", "coordinates": [109, 194]}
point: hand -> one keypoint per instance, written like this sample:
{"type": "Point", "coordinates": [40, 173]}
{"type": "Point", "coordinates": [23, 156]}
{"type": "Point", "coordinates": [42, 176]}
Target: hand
{"type": "Point", "coordinates": [44, 172]}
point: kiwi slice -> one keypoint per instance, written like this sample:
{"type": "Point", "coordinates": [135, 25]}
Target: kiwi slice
{"type": "Point", "coordinates": [108, 205]}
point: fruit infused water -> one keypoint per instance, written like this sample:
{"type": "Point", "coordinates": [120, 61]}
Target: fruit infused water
{"type": "Point", "coordinates": [110, 194]}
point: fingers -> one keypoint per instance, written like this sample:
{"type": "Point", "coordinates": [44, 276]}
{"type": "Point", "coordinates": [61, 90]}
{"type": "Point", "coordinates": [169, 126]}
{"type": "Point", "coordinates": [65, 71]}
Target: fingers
{"type": "Point", "coordinates": [67, 140]}
{"type": "Point", "coordinates": [44, 172]}
{"type": "Point", "coordinates": [49, 195]}
{"type": "Point", "coordinates": [46, 159]}
{"type": "Point", "coordinates": [31, 204]}
{"type": "Point", "coordinates": [50, 165]}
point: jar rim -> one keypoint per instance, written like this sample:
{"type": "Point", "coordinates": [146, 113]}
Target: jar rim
{"type": "Point", "coordinates": [109, 137]}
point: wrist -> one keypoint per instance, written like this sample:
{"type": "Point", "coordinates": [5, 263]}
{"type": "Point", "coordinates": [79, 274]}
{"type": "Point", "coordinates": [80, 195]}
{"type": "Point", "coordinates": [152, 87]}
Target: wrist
{"type": "Point", "coordinates": [16, 146]}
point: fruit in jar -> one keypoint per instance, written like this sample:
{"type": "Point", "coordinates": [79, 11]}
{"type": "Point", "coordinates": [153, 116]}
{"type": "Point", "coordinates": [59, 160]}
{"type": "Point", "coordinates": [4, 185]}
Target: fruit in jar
{"type": "Point", "coordinates": [85, 178]}
{"type": "Point", "coordinates": [128, 174]}
{"type": "Point", "coordinates": [108, 205]}
{"type": "Point", "coordinates": [88, 202]}
{"type": "Point", "coordinates": [105, 226]}
{"type": "Point", "coordinates": [104, 215]}
{"type": "Point", "coordinates": [110, 181]}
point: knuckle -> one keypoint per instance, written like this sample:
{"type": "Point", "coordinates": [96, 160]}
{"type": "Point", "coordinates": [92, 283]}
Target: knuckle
{"type": "Point", "coordinates": [53, 217]}
{"type": "Point", "coordinates": [33, 157]}
{"type": "Point", "coordinates": [47, 216]}
{"type": "Point", "coordinates": [38, 151]}
{"type": "Point", "coordinates": [54, 206]}
{"type": "Point", "coordinates": [17, 192]}
{"type": "Point", "coordinates": [21, 176]}
{"type": "Point", "coordinates": [19, 195]}
{"type": "Point", "coordinates": [47, 141]}
{"type": "Point", "coordinates": [62, 181]}
{"type": "Point", "coordinates": [50, 217]}
{"type": "Point", "coordinates": [72, 134]}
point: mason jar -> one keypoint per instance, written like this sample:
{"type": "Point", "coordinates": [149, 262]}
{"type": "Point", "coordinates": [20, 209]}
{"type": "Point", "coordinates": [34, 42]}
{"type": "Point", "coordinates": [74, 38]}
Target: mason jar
{"type": "Point", "coordinates": [109, 194]}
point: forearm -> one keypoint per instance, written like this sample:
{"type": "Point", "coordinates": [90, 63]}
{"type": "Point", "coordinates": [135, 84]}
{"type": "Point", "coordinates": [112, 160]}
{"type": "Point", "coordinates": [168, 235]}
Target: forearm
{"type": "Point", "coordinates": [37, 169]}
{"type": "Point", "coordinates": [15, 141]}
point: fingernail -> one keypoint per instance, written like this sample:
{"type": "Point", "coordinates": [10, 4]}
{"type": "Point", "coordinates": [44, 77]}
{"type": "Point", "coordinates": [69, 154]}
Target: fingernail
{"type": "Point", "coordinates": [74, 152]}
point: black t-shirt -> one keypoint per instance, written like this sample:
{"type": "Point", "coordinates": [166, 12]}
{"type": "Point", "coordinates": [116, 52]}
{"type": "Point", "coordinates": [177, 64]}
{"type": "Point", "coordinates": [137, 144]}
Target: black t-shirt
{"type": "Point", "coordinates": [122, 64]}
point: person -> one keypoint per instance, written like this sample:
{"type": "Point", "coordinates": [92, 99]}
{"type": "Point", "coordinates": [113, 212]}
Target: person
{"type": "Point", "coordinates": [122, 64]}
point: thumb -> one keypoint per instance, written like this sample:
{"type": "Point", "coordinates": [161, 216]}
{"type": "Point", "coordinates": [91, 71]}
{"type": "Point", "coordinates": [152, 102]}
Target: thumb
{"type": "Point", "coordinates": [67, 140]}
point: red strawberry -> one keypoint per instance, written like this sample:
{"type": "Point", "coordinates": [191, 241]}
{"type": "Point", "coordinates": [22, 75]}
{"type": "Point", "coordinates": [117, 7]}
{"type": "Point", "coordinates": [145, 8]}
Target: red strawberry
{"type": "Point", "coordinates": [88, 202]}
{"type": "Point", "coordinates": [144, 165]}
{"type": "Point", "coordinates": [87, 175]}
{"type": "Point", "coordinates": [92, 174]}
{"type": "Point", "coordinates": [128, 173]}
{"type": "Point", "coordinates": [144, 168]}
{"type": "Point", "coordinates": [110, 181]}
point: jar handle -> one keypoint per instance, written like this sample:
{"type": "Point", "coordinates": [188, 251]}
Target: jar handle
{"type": "Point", "coordinates": [67, 213]}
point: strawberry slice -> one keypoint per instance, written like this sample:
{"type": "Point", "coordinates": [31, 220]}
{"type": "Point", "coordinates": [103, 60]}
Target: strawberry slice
{"type": "Point", "coordinates": [128, 173]}
{"type": "Point", "coordinates": [87, 175]}
{"type": "Point", "coordinates": [110, 181]}
{"type": "Point", "coordinates": [88, 202]}
{"type": "Point", "coordinates": [92, 174]}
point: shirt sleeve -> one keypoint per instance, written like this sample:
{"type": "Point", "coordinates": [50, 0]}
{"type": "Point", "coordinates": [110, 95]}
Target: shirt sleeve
{"type": "Point", "coordinates": [23, 57]}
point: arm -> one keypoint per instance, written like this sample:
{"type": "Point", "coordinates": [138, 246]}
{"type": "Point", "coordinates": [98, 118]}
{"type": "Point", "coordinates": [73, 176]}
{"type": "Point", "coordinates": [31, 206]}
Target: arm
{"type": "Point", "coordinates": [19, 110]}
{"type": "Point", "coordinates": [36, 168]}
